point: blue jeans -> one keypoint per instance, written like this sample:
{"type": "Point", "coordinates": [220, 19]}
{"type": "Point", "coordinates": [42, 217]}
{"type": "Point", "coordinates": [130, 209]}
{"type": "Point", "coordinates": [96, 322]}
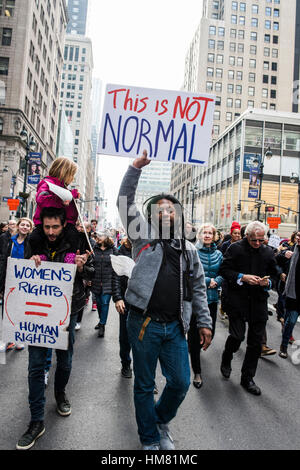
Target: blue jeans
{"type": "Point", "coordinates": [102, 301]}
{"type": "Point", "coordinates": [164, 342]}
{"type": "Point", "coordinates": [36, 370]}
{"type": "Point", "coordinates": [290, 320]}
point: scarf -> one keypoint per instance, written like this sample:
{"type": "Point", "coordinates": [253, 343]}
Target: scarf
{"type": "Point", "coordinates": [290, 287]}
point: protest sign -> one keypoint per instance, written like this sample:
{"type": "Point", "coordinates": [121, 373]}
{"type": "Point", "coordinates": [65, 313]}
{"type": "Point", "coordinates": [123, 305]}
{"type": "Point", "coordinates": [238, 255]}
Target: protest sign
{"type": "Point", "coordinates": [173, 126]}
{"type": "Point", "coordinates": [37, 303]}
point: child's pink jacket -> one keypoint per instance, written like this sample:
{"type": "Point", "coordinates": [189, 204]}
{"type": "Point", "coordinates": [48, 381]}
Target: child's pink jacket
{"type": "Point", "coordinates": [46, 198]}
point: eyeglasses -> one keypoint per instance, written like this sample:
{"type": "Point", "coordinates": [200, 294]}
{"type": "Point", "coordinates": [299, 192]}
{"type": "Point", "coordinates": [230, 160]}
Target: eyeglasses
{"type": "Point", "coordinates": [255, 240]}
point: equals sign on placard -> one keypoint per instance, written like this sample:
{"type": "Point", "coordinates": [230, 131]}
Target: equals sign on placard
{"type": "Point", "coordinates": [37, 304]}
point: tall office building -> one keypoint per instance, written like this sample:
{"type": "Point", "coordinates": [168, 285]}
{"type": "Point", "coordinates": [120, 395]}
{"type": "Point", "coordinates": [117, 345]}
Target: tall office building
{"type": "Point", "coordinates": [246, 54]}
{"type": "Point", "coordinates": [32, 36]}
{"type": "Point", "coordinates": [155, 179]}
{"type": "Point", "coordinates": [77, 10]}
{"type": "Point", "coordinates": [75, 98]}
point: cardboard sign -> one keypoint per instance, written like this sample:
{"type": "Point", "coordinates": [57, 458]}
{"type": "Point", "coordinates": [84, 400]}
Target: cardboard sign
{"type": "Point", "coordinates": [172, 126]}
{"type": "Point", "coordinates": [37, 303]}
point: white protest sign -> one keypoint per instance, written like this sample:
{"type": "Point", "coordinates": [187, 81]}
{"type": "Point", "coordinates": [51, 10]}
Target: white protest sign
{"type": "Point", "coordinates": [274, 241]}
{"type": "Point", "coordinates": [173, 126]}
{"type": "Point", "coordinates": [37, 303]}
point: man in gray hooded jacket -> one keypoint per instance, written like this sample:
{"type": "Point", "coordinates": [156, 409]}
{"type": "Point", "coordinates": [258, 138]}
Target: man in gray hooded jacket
{"type": "Point", "coordinates": [167, 284]}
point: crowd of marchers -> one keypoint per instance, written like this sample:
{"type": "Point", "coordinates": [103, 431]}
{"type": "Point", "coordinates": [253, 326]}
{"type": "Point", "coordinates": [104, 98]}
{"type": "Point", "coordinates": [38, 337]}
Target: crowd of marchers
{"type": "Point", "coordinates": [168, 305]}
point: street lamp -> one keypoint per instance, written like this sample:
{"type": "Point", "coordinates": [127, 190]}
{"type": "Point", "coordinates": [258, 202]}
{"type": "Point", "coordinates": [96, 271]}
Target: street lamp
{"type": "Point", "coordinates": [193, 190]}
{"type": "Point", "coordinates": [30, 146]}
{"type": "Point", "coordinates": [295, 179]}
{"type": "Point", "coordinates": [268, 154]}
{"type": "Point", "coordinates": [13, 178]}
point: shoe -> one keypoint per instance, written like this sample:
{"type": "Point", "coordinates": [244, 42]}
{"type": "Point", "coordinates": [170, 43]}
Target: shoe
{"type": "Point", "coordinates": [198, 383]}
{"type": "Point", "coordinates": [126, 372]}
{"type": "Point", "coordinates": [20, 347]}
{"type": "Point", "coordinates": [46, 378]}
{"type": "Point", "coordinates": [101, 331]}
{"type": "Point", "coordinates": [266, 351]}
{"type": "Point", "coordinates": [77, 326]}
{"type": "Point", "coordinates": [151, 447]}
{"type": "Point", "coordinates": [283, 352]}
{"type": "Point", "coordinates": [63, 405]}
{"type": "Point", "coordinates": [166, 440]}
{"type": "Point", "coordinates": [10, 346]}
{"type": "Point", "coordinates": [94, 307]}
{"type": "Point", "coordinates": [36, 429]}
{"type": "Point", "coordinates": [250, 386]}
{"type": "Point", "coordinates": [291, 340]}
{"type": "Point", "coordinates": [97, 326]}
{"type": "Point", "coordinates": [225, 368]}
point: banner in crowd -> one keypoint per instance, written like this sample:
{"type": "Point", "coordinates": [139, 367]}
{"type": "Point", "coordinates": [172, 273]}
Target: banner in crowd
{"type": "Point", "coordinates": [37, 303]}
{"type": "Point", "coordinates": [34, 168]}
{"type": "Point", "coordinates": [172, 126]}
{"type": "Point", "coordinates": [253, 183]}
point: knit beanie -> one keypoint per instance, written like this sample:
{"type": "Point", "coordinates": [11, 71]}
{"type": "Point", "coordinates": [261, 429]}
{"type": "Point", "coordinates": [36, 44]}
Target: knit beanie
{"type": "Point", "coordinates": [235, 225]}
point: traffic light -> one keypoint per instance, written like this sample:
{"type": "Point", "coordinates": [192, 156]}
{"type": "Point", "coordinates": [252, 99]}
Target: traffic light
{"type": "Point", "coordinates": [239, 206]}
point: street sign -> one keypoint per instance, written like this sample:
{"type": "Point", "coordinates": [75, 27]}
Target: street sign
{"type": "Point", "coordinates": [258, 201]}
{"type": "Point", "coordinates": [273, 221]}
{"type": "Point", "coordinates": [270, 208]}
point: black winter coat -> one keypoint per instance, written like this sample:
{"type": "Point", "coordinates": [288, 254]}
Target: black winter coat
{"type": "Point", "coordinates": [250, 302]}
{"type": "Point", "coordinates": [119, 283]}
{"type": "Point", "coordinates": [78, 294]}
{"type": "Point", "coordinates": [102, 282]}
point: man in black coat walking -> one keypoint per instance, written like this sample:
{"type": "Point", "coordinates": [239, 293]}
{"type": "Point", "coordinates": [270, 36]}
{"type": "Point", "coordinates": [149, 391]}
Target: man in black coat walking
{"type": "Point", "coordinates": [249, 267]}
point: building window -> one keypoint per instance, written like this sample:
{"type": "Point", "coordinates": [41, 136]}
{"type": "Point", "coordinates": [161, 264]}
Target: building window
{"type": "Point", "coordinates": [238, 103]}
{"type": "Point", "coordinates": [274, 66]}
{"type": "Point", "coordinates": [238, 89]}
{"type": "Point", "coordinates": [266, 51]}
{"type": "Point", "coordinates": [255, 9]}
{"type": "Point", "coordinates": [254, 22]}
{"type": "Point", "coordinates": [251, 91]}
{"type": "Point", "coordinates": [265, 78]}
{"type": "Point", "coordinates": [273, 94]}
{"type": "Point", "coordinates": [7, 8]}
{"type": "Point", "coordinates": [210, 72]}
{"type": "Point", "coordinates": [267, 38]}
{"type": "Point", "coordinates": [228, 116]}
{"type": "Point", "coordinates": [265, 93]}
{"type": "Point", "coordinates": [211, 44]}
{"type": "Point", "coordinates": [230, 88]}
{"type": "Point", "coordinates": [210, 57]}
{"type": "Point", "coordinates": [251, 77]}
{"type": "Point", "coordinates": [212, 30]}
{"type": "Point", "coordinates": [268, 24]}
{"type": "Point", "coordinates": [218, 86]}
{"type": "Point", "coordinates": [4, 65]}
{"type": "Point", "coordinates": [229, 102]}
{"type": "Point", "coordinates": [209, 86]}
{"type": "Point", "coordinates": [253, 36]}
{"type": "Point", "coordinates": [1, 125]}
{"type": "Point", "coordinates": [233, 19]}
{"type": "Point", "coordinates": [6, 36]}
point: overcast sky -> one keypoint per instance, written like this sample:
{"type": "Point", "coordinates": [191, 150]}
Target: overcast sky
{"type": "Point", "coordinates": [139, 43]}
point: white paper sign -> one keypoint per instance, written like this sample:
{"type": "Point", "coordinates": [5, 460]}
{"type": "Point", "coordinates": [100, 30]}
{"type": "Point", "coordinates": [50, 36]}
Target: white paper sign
{"type": "Point", "coordinates": [37, 303]}
{"type": "Point", "coordinates": [172, 126]}
{"type": "Point", "coordinates": [122, 265]}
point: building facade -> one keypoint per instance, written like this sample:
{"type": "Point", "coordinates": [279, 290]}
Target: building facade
{"type": "Point", "coordinates": [32, 34]}
{"type": "Point", "coordinates": [223, 192]}
{"type": "Point", "coordinates": [155, 179]}
{"type": "Point", "coordinates": [75, 98]}
{"type": "Point", "coordinates": [247, 55]}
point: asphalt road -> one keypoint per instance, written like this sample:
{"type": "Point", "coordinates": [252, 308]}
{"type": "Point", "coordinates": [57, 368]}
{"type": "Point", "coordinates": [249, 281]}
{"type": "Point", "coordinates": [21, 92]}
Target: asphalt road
{"type": "Point", "coordinates": [219, 416]}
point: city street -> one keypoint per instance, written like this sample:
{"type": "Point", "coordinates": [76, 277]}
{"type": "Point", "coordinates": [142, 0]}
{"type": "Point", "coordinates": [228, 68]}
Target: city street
{"type": "Point", "coordinates": [219, 416]}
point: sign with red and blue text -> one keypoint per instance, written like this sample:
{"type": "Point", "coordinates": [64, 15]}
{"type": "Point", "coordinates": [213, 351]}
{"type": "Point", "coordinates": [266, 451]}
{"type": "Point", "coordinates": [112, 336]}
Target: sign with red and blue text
{"type": "Point", "coordinates": [173, 126]}
{"type": "Point", "coordinates": [37, 303]}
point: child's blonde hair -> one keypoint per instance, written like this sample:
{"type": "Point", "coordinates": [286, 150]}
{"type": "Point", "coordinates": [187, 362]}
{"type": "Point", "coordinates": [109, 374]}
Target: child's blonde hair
{"type": "Point", "coordinates": [63, 169]}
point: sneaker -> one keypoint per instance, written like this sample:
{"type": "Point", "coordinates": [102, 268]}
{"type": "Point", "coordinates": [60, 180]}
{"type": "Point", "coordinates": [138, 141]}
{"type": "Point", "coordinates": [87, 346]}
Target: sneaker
{"type": "Point", "coordinates": [77, 326]}
{"type": "Point", "coordinates": [63, 405]}
{"type": "Point", "coordinates": [151, 447]}
{"type": "Point", "coordinates": [166, 440]}
{"type": "Point", "coordinates": [10, 346]}
{"type": "Point", "coordinates": [36, 429]}
{"type": "Point", "coordinates": [126, 372]}
{"type": "Point", "coordinates": [266, 351]}
{"type": "Point", "coordinates": [94, 307]}
{"type": "Point", "coordinates": [291, 340]}
{"type": "Point", "coordinates": [283, 352]}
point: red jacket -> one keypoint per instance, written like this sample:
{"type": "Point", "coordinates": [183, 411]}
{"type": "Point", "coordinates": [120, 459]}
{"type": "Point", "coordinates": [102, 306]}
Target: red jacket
{"type": "Point", "coordinates": [46, 198]}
